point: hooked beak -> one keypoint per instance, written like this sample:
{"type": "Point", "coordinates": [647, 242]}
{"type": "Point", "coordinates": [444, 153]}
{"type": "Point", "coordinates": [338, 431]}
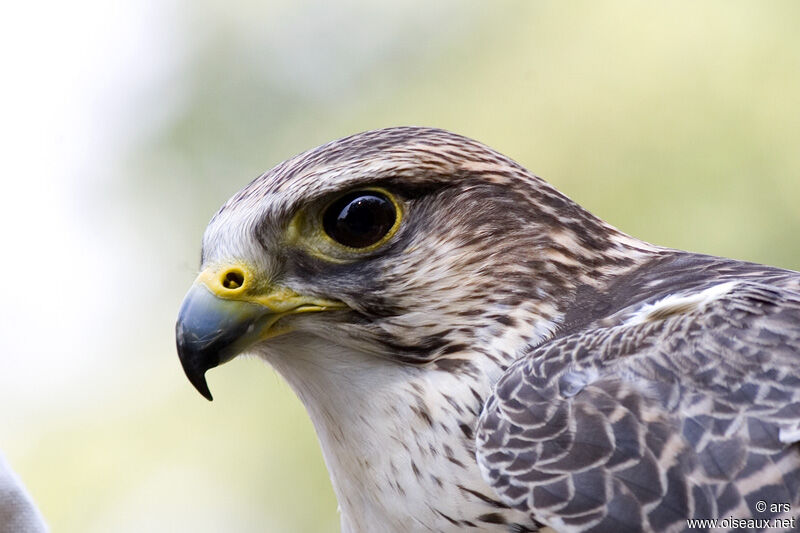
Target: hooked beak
{"type": "Point", "coordinates": [227, 311]}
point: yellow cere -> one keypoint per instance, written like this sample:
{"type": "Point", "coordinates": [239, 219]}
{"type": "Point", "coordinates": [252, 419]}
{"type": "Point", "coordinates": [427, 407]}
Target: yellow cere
{"type": "Point", "coordinates": [237, 281]}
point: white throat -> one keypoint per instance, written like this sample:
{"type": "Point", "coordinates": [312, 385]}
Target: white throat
{"type": "Point", "coordinates": [391, 435]}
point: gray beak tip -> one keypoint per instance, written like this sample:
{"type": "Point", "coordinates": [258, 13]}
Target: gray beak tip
{"type": "Point", "coordinates": [199, 382]}
{"type": "Point", "coordinates": [211, 331]}
{"type": "Point", "coordinates": [196, 373]}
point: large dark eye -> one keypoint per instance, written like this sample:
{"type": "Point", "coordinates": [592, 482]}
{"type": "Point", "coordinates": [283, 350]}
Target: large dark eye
{"type": "Point", "coordinates": [359, 219]}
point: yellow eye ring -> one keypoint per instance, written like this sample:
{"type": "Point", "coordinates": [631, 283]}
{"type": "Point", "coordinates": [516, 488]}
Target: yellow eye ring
{"type": "Point", "coordinates": [361, 220]}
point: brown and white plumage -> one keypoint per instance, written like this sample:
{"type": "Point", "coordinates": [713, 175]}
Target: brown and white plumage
{"type": "Point", "coordinates": [689, 407]}
{"type": "Point", "coordinates": [505, 360]}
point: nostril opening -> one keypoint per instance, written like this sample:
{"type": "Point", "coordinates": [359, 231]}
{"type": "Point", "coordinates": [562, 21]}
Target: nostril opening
{"type": "Point", "coordinates": [233, 279]}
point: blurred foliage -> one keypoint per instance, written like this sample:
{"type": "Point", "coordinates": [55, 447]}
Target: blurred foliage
{"type": "Point", "coordinates": [677, 122]}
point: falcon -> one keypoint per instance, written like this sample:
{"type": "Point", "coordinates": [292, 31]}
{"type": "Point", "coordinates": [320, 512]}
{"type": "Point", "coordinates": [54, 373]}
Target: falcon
{"type": "Point", "coordinates": [479, 353]}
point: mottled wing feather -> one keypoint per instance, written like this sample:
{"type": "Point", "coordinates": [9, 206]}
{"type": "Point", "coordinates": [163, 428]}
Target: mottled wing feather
{"type": "Point", "coordinates": [634, 427]}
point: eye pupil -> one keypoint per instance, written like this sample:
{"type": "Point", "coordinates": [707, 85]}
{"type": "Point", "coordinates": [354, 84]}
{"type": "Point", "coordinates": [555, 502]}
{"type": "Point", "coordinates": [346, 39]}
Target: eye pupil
{"type": "Point", "coordinates": [359, 219]}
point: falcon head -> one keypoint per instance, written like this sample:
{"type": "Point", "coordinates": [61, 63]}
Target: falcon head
{"type": "Point", "coordinates": [408, 246]}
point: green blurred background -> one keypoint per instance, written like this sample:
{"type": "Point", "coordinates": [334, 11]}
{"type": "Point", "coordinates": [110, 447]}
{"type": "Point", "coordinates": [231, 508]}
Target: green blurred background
{"type": "Point", "coordinates": [127, 124]}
